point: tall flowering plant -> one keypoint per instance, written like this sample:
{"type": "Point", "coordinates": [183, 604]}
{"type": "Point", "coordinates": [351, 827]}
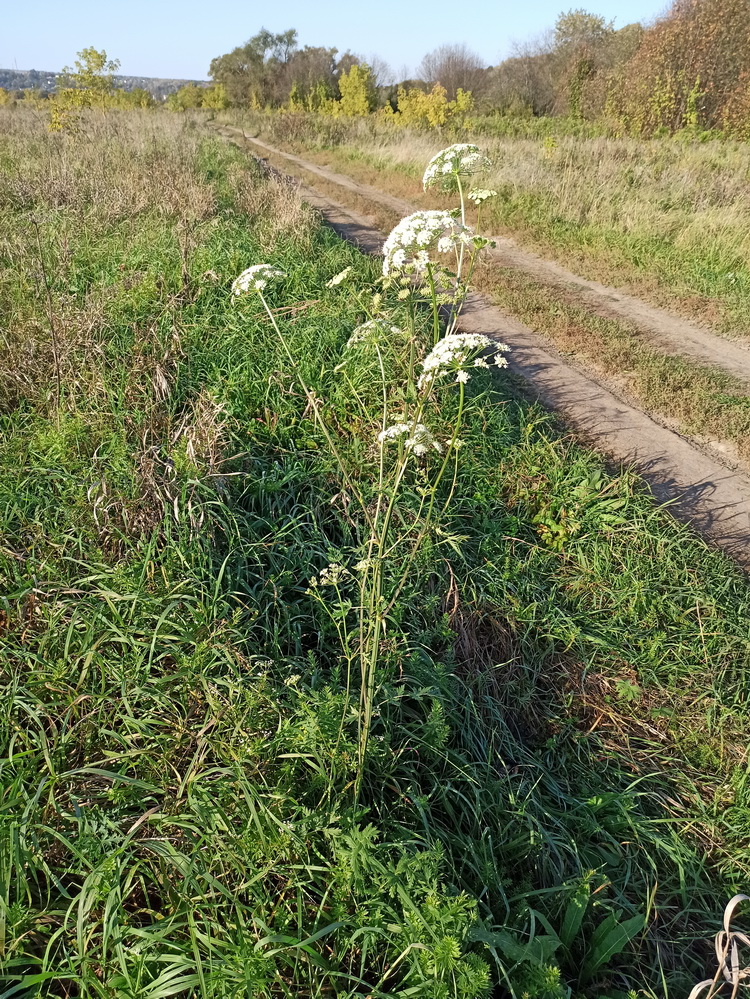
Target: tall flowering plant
{"type": "Point", "coordinates": [410, 443]}
{"type": "Point", "coordinates": [436, 250]}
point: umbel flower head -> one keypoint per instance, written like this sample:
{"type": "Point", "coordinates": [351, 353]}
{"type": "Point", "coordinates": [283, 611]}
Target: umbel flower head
{"type": "Point", "coordinates": [417, 437]}
{"type": "Point", "coordinates": [407, 249]}
{"type": "Point", "coordinates": [459, 160]}
{"type": "Point", "coordinates": [480, 195]}
{"type": "Point", "coordinates": [373, 331]}
{"type": "Point", "coordinates": [256, 278]}
{"type": "Point", "coordinates": [456, 354]}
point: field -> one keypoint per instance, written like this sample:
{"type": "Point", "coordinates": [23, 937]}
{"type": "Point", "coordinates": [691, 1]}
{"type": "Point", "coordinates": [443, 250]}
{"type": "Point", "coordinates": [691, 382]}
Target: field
{"type": "Point", "coordinates": [665, 220]}
{"type": "Point", "coordinates": [537, 783]}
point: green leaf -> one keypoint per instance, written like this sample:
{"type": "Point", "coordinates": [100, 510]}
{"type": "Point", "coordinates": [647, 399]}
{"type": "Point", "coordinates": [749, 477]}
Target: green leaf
{"type": "Point", "coordinates": [574, 913]}
{"type": "Point", "coordinates": [609, 938]}
{"type": "Point", "coordinates": [538, 950]}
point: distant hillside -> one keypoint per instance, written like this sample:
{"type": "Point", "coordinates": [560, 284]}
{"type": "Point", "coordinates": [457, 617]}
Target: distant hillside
{"type": "Point", "coordinates": [28, 79]}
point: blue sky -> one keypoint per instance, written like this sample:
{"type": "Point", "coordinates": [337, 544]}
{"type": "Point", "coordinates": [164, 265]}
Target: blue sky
{"type": "Point", "coordinates": [178, 38]}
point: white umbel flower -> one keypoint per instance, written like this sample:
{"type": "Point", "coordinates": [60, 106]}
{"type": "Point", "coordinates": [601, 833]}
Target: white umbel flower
{"type": "Point", "coordinates": [407, 247]}
{"type": "Point", "coordinates": [479, 195]}
{"type": "Point", "coordinates": [417, 437]}
{"type": "Point", "coordinates": [456, 353]}
{"type": "Point", "coordinates": [461, 159]}
{"type": "Point", "coordinates": [256, 278]}
{"type": "Point", "coordinates": [372, 331]}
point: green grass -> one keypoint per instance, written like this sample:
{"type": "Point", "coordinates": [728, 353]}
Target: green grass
{"type": "Point", "coordinates": [559, 741]}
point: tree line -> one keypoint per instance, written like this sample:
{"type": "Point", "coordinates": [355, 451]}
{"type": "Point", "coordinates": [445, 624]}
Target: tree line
{"type": "Point", "coordinates": [689, 69]}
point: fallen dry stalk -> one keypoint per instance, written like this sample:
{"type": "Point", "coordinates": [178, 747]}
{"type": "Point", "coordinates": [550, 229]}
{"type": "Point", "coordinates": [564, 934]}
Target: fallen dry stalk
{"type": "Point", "coordinates": [727, 945]}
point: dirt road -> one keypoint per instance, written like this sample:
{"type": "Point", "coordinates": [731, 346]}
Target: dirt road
{"type": "Point", "coordinates": [701, 488]}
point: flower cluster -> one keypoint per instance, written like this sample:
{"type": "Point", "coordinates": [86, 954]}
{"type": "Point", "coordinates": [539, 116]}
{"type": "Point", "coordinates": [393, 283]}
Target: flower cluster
{"type": "Point", "coordinates": [418, 437]}
{"type": "Point", "coordinates": [330, 575]}
{"type": "Point", "coordinates": [407, 248]}
{"type": "Point", "coordinates": [454, 353]}
{"type": "Point", "coordinates": [256, 277]}
{"type": "Point", "coordinates": [480, 195]}
{"type": "Point", "coordinates": [374, 329]}
{"type": "Point", "coordinates": [461, 159]}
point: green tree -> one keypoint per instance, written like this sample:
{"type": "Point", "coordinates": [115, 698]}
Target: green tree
{"type": "Point", "coordinates": [581, 43]}
{"type": "Point", "coordinates": [578, 29]}
{"type": "Point", "coordinates": [311, 74]}
{"type": "Point", "coordinates": [215, 97]}
{"type": "Point", "coordinates": [141, 98]}
{"type": "Point", "coordinates": [186, 98]}
{"type": "Point", "coordinates": [252, 73]}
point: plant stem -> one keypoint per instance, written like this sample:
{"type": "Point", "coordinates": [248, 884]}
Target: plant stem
{"type": "Point", "coordinates": [435, 311]}
{"type": "Point", "coordinates": [313, 403]}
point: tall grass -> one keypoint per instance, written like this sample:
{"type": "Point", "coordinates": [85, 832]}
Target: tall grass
{"type": "Point", "coordinates": [554, 798]}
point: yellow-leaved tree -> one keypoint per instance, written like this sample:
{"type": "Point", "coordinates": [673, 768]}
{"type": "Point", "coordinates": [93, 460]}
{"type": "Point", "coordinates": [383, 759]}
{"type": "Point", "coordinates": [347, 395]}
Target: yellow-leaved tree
{"type": "Point", "coordinates": [432, 109]}
{"type": "Point", "coordinates": [359, 94]}
{"type": "Point", "coordinates": [93, 77]}
{"type": "Point", "coordinates": [90, 83]}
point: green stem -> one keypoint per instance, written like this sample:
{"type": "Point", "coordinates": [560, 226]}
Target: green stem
{"type": "Point", "coordinates": [435, 311]}
{"type": "Point", "coordinates": [371, 648]}
{"type": "Point", "coordinates": [433, 494]}
{"type": "Point", "coordinates": [463, 223]}
{"type": "Point", "coordinates": [412, 344]}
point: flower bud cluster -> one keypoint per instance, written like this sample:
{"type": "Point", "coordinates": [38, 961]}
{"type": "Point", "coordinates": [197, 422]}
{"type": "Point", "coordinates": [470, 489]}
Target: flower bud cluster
{"type": "Point", "coordinates": [373, 330]}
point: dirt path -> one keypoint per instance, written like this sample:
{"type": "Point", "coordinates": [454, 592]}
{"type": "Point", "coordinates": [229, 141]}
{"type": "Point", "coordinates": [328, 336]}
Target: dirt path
{"type": "Point", "coordinates": [701, 489]}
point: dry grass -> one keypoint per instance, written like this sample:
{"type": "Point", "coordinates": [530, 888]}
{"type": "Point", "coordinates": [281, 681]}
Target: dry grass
{"type": "Point", "coordinates": [60, 193]}
{"type": "Point", "coordinates": [112, 168]}
{"type": "Point", "coordinates": [275, 209]}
